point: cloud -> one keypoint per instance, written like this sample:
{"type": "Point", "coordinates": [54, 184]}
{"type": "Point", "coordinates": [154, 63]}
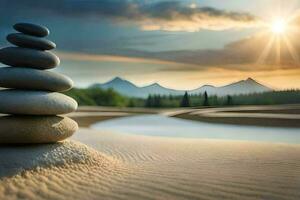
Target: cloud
{"type": "Point", "coordinates": [175, 16]}
{"type": "Point", "coordinates": [261, 51]}
{"type": "Point", "coordinates": [162, 15]}
{"type": "Point", "coordinates": [246, 54]}
{"type": "Point", "coordinates": [75, 56]}
{"type": "Point", "coordinates": [257, 53]}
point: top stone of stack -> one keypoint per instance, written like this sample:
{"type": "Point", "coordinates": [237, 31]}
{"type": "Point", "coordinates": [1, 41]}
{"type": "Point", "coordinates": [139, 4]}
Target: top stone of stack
{"type": "Point", "coordinates": [31, 37]}
{"type": "Point", "coordinates": [31, 50]}
{"type": "Point", "coordinates": [32, 29]}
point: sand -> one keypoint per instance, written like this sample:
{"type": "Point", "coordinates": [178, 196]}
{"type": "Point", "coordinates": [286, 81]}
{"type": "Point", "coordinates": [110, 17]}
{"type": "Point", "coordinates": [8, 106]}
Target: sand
{"type": "Point", "coordinates": [121, 166]}
{"type": "Point", "coordinates": [271, 115]}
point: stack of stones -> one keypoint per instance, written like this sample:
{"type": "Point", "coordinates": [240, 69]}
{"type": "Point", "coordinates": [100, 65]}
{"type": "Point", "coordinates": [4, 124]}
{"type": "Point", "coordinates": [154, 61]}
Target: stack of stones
{"type": "Point", "coordinates": [31, 103]}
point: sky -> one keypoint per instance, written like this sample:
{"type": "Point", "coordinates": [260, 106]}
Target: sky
{"type": "Point", "coordinates": [179, 44]}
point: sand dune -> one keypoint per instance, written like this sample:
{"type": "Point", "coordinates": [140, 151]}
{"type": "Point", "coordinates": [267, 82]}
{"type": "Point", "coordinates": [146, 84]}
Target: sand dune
{"type": "Point", "coordinates": [142, 167]}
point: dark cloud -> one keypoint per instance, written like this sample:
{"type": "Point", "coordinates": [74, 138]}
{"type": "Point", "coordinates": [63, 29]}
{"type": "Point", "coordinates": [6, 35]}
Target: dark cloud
{"type": "Point", "coordinates": [163, 15]}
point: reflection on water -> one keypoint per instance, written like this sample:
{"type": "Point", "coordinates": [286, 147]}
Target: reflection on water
{"type": "Point", "coordinates": [157, 125]}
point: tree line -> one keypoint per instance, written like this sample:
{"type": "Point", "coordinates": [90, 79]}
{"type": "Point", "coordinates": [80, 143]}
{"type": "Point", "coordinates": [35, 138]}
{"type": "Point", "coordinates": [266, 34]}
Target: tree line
{"type": "Point", "coordinates": [109, 97]}
{"type": "Point", "coordinates": [187, 100]}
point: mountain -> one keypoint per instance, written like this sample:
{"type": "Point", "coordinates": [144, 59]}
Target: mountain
{"type": "Point", "coordinates": [241, 87]}
{"type": "Point", "coordinates": [129, 89]}
{"type": "Point", "coordinates": [158, 89]}
{"type": "Point", "coordinates": [120, 85]}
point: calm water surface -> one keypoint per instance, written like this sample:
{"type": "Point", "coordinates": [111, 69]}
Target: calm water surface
{"type": "Point", "coordinates": [158, 125]}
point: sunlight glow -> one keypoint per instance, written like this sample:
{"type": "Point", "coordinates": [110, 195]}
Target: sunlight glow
{"type": "Point", "coordinates": [280, 42]}
{"type": "Point", "coordinates": [278, 26]}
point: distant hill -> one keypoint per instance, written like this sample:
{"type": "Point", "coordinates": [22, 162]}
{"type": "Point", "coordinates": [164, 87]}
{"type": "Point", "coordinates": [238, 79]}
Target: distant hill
{"type": "Point", "coordinates": [241, 87]}
{"type": "Point", "coordinates": [129, 89]}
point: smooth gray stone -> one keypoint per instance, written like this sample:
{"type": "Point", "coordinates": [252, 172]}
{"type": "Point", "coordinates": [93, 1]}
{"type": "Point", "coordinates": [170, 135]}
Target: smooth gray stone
{"type": "Point", "coordinates": [33, 79]}
{"type": "Point", "coordinates": [32, 29]}
{"type": "Point", "coordinates": [35, 129]}
{"type": "Point", "coordinates": [27, 41]}
{"type": "Point", "coordinates": [24, 102]}
{"type": "Point", "coordinates": [23, 57]}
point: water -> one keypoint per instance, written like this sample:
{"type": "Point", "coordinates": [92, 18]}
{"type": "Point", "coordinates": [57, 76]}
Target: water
{"type": "Point", "coordinates": [158, 125]}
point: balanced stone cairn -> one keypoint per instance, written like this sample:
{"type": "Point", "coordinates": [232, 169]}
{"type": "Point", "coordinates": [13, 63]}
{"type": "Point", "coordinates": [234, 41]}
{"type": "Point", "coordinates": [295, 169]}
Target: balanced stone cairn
{"type": "Point", "coordinates": [31, 99]}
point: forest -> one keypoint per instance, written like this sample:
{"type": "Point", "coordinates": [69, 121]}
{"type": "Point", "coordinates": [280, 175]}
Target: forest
{"type": "Point", "coordinates": [109, 97]}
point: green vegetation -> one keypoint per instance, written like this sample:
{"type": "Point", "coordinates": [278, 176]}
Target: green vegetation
{"type": "Point", "coordinates": [185, 102]}
{"type": "Point", "coordinates": [205, 102]}
{"type": "Point", "coordinates": [100, 97]}
{"type": "Point", "coordinates": [229, 100]}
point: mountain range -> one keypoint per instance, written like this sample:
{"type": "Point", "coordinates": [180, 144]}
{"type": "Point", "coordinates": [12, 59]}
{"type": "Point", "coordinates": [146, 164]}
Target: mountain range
{"type": "Point", "coordinates": [129, 89]}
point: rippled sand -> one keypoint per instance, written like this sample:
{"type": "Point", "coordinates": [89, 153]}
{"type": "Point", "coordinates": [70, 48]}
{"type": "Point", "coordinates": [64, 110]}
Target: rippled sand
{"type": "Point", "coordinates": [141, 167]}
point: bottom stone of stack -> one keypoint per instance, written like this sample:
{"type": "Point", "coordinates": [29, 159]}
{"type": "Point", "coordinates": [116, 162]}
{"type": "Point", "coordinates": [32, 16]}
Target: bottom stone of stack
{"type": "Point", "coordinates": [17, 129]}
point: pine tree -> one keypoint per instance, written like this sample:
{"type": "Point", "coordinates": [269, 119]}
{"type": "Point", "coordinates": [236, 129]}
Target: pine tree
{"type": "Point", "coordinates": [229, 100]}
{"type": "Point", "coordinates": [149, 102]}
{"type": "Point", "coordinates": [205, 102]}
{"type": "Point", "coordinates": [185, 102]}
{"type": "Point", "coordinates": [157, 101]}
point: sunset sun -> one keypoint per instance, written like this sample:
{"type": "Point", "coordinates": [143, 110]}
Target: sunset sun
{"type": "Point", "coordinates": [279, 27]}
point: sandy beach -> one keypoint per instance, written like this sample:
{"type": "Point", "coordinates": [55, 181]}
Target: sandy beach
{"type": "Point", "coordinates": [102, 164]}
{"type": "Point", "coordinates": [121, 166]}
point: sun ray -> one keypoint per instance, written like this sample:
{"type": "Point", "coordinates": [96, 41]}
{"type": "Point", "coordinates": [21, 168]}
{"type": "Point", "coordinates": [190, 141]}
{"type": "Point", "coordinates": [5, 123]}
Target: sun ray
{"type": "Point", "coordinates": [292, 16]}
{"type": "Point", "coordinates": [278, 51]}
{"type": "Point", "coordinates": [291, 50]}
{"type": "Point", "coordinates": [266, 51]}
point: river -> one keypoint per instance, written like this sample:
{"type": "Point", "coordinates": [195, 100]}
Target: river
{"type": "Point", "coordinates": [159, 125]}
